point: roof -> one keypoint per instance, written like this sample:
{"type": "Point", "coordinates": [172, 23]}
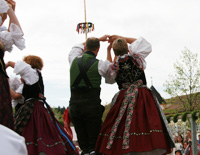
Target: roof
{"type": "Point", "coordinates": [160, 99]}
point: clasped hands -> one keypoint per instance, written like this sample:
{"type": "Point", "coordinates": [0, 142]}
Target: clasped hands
{"type": "Point", "coordinates": [109, 38]}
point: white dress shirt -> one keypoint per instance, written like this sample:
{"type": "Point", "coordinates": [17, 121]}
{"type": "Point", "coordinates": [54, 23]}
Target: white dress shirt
{"type": "Point", "coordinates": [103, 66]}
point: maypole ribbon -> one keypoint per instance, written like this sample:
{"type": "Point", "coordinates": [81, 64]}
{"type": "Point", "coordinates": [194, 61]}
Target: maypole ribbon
{"type": "Point", "coordinates": [83, 27]}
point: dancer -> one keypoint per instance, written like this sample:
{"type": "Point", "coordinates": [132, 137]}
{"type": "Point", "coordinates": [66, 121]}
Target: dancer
{"type": "Point", "coordinates": [135, 124]}
{"type": "Point", "coordinates": [7, 39]}
{"type": "Point", "coordinates": [42, 132]}
{"type": "Point", "coordinates": [85, 104]}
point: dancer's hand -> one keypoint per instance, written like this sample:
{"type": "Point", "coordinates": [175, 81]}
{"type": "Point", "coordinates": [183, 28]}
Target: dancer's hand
{"type": "Point", "coordinates": [114, 37]}
{"type": "Point", "coordinates": [10, 64]}
{"type": "Point", "coordinates": [11, 4]}
{"type": "Point", "coordinates": [104, 38]}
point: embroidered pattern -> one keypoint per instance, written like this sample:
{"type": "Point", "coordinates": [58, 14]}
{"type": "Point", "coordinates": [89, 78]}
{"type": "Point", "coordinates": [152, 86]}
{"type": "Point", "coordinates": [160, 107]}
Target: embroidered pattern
{"type": "Point", "coordinates": [47, 145]}
{"type": "Point", "coordinates": [128, 103]}
{"type": "Point", "coordinates": [135, 133]}
{"type": "Point", "coordinates": [127, 69]}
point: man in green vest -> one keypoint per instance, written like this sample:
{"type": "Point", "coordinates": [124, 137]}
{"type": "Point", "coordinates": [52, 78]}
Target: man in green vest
{"type": "Point", "coordinates": [85, 104]}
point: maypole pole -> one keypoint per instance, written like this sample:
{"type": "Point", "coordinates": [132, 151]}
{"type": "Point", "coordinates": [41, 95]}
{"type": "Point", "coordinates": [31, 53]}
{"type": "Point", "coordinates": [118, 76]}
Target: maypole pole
{"type": "Point", "coordinates": [85, 27]}
{"type": "Point", "coordinates": [85, 20]}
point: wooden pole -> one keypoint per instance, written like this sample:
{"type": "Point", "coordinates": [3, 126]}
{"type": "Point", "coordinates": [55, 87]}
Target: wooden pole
{"type": "Point", "coordinates": [85, 21]}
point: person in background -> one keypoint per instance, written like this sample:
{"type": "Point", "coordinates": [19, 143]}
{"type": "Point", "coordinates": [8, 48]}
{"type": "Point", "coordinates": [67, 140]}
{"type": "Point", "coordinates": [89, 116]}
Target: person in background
{"type": "Point", "coordinates": [179, 144]}
{"type": "Point", "coordinates": [178, 152]}
{"type": "Point", "coordinates": [176, 139]}
{"type": "Point", "coordinates": [188, 150]}
{"type": "Point", "coordinates": [185, 144]}
{"type": "Point", "coordinates": [8, 38]}
{"type": "Point", "coordinates": [189, 136]}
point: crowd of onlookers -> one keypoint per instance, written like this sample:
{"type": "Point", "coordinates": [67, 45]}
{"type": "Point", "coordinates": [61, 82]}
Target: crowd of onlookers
{"type": "Point", "coordinates": [183, 145]}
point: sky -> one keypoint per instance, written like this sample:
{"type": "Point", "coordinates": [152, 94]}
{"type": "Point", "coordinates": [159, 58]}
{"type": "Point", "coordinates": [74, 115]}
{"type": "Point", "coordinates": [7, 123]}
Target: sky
{"type": "Point", "coordinates": [50, 32]}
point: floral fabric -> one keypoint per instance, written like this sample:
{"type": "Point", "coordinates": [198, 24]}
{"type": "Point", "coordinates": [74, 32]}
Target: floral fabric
{"type": "Point", "coordinates": [128, 103]}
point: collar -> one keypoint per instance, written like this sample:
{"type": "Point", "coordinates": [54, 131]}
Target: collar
{"type": "Point", "coordinates": [90, 53]}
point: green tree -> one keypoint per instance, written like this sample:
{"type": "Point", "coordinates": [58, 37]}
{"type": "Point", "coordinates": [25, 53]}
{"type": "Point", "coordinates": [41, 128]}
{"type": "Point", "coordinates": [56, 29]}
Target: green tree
{"type": "Point", "coordinates": [185, 81]}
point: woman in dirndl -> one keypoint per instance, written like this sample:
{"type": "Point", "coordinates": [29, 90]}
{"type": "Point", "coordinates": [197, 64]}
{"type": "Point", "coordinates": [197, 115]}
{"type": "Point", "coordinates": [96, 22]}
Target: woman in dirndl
{"type": "Point", "coordinates": [8, 38]}
{"type": "Point", "coordinates": [135, 124]}
{"type": "Point", "coordinates": [35, 120]}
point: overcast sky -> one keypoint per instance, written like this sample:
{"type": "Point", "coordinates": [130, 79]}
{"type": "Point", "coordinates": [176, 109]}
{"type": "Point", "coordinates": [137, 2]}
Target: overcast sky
{"type": "Point", "coordinates": [50, 32]}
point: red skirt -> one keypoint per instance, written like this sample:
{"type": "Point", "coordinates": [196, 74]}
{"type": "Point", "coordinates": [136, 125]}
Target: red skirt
{"type": "Point", "coordinates": [147, 132]}
{"type": "Point", "coordinates": [42, 135]}
{"type": "Point", "coordinates": [6, 113]}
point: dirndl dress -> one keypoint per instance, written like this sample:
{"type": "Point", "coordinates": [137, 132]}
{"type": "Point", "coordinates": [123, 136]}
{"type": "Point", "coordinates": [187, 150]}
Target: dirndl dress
{"type": "Point", "coordinates": [135, 124]}
{"type": "Point", "coordinates": [35, 120]}
{"type": "Point", "coordinates": [6, 113]}
{"type": "Point", "coordinates": [42, 132]}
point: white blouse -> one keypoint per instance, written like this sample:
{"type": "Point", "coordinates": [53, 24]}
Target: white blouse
{"type": "Point", "coordinates": [141, 48]}
{"type": "Point", "coordinates": [29, 75]}
{"type": "Point", "coordinates": [3, 6]}
{"type": "Point", "coordinates": [14, 36]}
{"type": "Point", "coordinates": [11, 142]}
{"type": "Point", "coordinates": [17, 86]}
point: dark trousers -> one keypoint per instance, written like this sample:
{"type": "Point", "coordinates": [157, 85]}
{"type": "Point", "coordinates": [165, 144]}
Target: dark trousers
{"type": "Point", "coordinates": [86, 112]}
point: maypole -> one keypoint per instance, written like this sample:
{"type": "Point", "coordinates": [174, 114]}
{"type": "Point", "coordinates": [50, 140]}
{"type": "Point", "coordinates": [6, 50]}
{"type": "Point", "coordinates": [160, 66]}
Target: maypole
{"type": "Point", "coordinates": [85, 19]}
{"type": "Point", "coordinates": [85, 27]}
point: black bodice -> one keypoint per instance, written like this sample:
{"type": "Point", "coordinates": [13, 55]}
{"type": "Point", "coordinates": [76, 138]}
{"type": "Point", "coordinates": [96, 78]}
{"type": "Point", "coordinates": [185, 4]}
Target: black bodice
{"type": "Point", "coordinates": [33, 91]}
{"type": "Point", "coordinates": [128, 71]}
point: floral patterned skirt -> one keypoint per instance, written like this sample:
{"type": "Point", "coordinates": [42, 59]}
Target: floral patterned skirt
{"type": "Point", "coordinates": [41, 132]}
{"type": "Point", "coordinates": [6, 113]}
{"type": "Point", "coordinates": [146, 133]}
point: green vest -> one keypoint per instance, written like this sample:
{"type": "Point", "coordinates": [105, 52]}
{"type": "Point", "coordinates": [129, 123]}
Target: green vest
{"type": "Point", "coordinates": [92, 73]}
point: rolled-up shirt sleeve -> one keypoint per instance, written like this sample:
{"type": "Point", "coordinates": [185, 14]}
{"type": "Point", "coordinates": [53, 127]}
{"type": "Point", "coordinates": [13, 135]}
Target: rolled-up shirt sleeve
{"type": "Point", "coordinates": [105, 70]}
{"type": "Point", "coordinates": [20, 89]}
{"type": "Point", "coordinates": [76, 51]}
{"type": "Point", "coordinates": [29, 75]}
